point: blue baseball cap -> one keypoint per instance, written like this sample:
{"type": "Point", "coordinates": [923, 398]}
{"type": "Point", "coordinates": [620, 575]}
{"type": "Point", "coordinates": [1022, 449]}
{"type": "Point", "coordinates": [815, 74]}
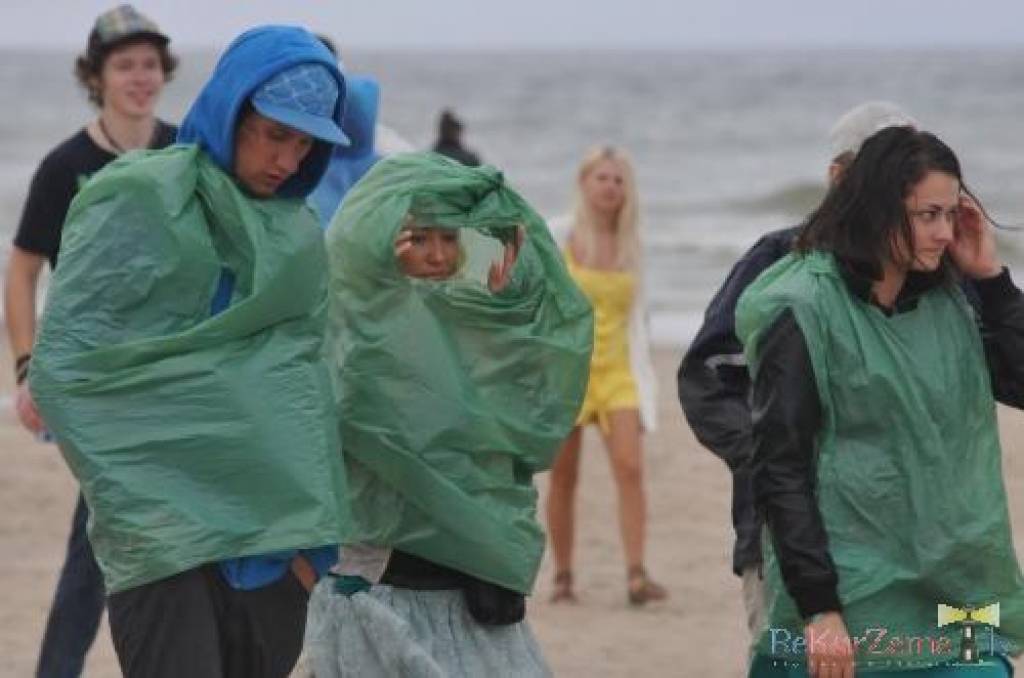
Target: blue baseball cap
{"type": "Point", "coordinates": [302, 97]}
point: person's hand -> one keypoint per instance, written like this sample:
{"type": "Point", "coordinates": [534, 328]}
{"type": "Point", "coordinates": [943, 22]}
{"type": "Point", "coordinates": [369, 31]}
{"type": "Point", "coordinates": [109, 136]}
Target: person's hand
{"type": "Point", "coordinates": [973, 249]}
{"type": "Point", "coordinates": [304, 572]}
{"type": "Point", "coordinates": [501, 270]}
{"type": "Point", "coordinates": [829, 650]}
{"type": "Point", "coordinates": [25, 407]}
{"type": "Point", "coordinates": [403, 243]}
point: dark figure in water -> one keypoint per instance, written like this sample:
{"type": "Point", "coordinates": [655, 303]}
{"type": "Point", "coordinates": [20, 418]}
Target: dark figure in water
{"type": "Point", "coordinates": [449, 140]}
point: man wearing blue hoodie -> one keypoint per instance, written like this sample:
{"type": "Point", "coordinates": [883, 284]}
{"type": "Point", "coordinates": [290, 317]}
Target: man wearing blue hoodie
{"type": "Point", "coordinates": [180, 362]}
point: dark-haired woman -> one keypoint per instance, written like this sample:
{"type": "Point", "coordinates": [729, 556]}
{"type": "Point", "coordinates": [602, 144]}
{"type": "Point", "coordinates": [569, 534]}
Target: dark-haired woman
{"type": "Point", "coordinates": [877, 461]}
{"type": "Point", "coordinates": [124, 68]}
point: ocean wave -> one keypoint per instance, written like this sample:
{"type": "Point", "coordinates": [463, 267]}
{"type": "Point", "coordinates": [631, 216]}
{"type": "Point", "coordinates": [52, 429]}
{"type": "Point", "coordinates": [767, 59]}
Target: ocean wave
{"type": "Point", "coordinates": [796, 200]}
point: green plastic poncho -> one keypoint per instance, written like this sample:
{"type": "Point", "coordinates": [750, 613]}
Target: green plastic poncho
{"type": "Point", "coordinates": [909, 477]}
{"type": "Point", "coordinates": [194, 438]}
{"type": "Point", "coordinates": [450, 397]}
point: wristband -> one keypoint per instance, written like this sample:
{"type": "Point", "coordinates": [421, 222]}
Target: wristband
{"type": "Point", "coordinates": [21, 364]}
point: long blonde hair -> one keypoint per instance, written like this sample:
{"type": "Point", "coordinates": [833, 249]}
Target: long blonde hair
{"type": "Point", "coordinates": [627, 242]}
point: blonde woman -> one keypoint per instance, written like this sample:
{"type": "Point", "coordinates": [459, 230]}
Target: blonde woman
{"type": "Point", "coordinates": [602, 252]}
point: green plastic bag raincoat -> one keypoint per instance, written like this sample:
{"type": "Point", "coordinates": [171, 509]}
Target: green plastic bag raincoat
{"type": "Point", "coordinates": [194, 438]}
{"type": "Point", "coordinates": [450, 397]}
{"type": "Point", "coordinates": [909, 477]}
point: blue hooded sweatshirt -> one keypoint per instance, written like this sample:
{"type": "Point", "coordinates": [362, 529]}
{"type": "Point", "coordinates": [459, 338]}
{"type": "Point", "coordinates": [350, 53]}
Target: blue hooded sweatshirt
{"type": "Point", "coordinates": [349, 164]}
{"type": "Point", "coordinates": [253, 58]}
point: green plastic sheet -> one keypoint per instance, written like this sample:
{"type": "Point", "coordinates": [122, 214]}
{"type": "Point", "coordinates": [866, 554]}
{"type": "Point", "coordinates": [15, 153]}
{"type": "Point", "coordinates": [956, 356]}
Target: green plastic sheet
{"type": "Point", "coordinates": [194, 438]}
{"type": "Point", "coordinates": [909, 476]}
{"type": "Point", "coordinates": [450, 397]}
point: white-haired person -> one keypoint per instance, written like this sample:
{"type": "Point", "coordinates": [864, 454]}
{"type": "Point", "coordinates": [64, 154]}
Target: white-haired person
{"type": "Point", "coordinates": [602, 251]}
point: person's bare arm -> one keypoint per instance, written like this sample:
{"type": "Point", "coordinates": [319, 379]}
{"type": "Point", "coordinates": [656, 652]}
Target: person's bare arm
{"type": "Point", "coordinates": [20, 299]}
{"type": "Point", "coordinates": [20, 286]}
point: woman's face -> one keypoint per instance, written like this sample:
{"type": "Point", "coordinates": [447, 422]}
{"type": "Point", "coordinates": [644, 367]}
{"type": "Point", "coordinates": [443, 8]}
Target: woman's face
{"type": "Point", "coordinates": [428, 252]}
{"type": "Point", "coordinates": [604, 187]}
{"type": "Point", "coordinates": [131, 80]}
{"type": "Point", "coordinates": [933, 206]}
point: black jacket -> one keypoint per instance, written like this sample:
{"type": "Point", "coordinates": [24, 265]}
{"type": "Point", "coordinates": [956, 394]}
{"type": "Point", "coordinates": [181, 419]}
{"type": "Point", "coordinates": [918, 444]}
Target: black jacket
{"type": "Point", "coordinates": [714, 389]}
{"type": "Point", "coordinates": [787, 417]}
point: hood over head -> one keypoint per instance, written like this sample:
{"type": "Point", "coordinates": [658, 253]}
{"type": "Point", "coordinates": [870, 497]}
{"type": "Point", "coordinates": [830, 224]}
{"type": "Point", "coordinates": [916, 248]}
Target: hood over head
{"type": "Point", "coordinates": [349, 163]}
{"type": "Point", "coordinates": [252, 60]}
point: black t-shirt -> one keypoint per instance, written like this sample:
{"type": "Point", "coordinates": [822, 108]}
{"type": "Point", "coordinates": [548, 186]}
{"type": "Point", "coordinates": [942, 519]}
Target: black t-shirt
{"type": "Point", "coordinates": [59, 176]}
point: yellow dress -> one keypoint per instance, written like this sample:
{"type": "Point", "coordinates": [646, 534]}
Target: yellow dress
{"type": "Point", "coordinates": [611, 386]}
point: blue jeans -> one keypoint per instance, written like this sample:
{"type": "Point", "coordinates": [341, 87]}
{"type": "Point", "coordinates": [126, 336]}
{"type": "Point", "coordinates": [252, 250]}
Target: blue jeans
{"type": "Point", "coordinates": [77, 606]}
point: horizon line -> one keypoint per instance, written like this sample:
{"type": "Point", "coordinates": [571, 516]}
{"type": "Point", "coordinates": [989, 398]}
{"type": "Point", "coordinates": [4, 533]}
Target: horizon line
{"type": "Point", "coordinates": [591, 48]}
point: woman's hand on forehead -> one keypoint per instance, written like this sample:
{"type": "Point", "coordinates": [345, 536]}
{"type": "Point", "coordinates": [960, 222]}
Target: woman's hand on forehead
{"type": "Point", "coordinates": [501, 269]}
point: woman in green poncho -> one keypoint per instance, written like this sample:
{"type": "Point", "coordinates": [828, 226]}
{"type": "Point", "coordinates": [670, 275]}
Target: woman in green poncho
{"type": "Point", "coordinates": [461, 348]}
{"type": "Point", "coordinates": [877, 459]}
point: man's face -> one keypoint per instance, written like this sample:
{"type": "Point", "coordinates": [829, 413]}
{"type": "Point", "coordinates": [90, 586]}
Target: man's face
{"type": "Point", "coordinates": [267, 154]}
{"type": "Point", "coordinates": [131, 80]}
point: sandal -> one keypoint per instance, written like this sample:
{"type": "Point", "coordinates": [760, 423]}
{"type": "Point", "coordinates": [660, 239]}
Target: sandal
{"type": "Point", "coordinates": [563, 592]}
{"type": "Point", "coordinates": [641, 589]}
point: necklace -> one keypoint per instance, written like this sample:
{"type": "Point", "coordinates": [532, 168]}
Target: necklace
{"type": "Point", "coordinates": [118, 148]}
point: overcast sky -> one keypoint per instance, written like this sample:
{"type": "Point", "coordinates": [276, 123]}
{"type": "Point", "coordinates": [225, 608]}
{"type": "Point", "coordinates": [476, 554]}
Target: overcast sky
{"type": "Point", "coordinates": [455, 24]}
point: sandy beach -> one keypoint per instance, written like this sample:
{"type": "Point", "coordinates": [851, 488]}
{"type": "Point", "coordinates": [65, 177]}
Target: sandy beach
{"type": "Point", "coordinates": [698, 632]}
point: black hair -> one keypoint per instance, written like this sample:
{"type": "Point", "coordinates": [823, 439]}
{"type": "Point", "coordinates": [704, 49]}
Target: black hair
{"type": "Point", "coordinates": [863, 216]}
{"type": "Point", "coordinates": [244, 111]}
{"type": "Point", "coordinates": [89, 65]}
